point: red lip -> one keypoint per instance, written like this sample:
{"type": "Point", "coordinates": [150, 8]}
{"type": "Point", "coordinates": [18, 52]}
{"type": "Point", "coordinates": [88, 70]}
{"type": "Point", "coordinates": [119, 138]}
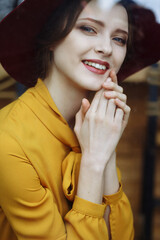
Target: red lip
{"type": "Point", "coordinates": [95, 70]}
{"type": "Point", "coordinates": [99, 62]}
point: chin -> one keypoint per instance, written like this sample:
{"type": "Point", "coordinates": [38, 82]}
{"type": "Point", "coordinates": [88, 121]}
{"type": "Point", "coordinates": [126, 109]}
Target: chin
{"type": "Point", "coordinates": [94, 88]}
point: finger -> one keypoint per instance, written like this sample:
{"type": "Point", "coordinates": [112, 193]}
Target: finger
{"type": "Point", "coordinates": [107, 81]}
{"type": "Point", "coordinates": [95, 101]}
{"type": "Point", "coordinates": [78, 121]}
{"type": "Point", "coordinates": [116, 95]}
{"type": "Point", "coordinates": [109, 85]}
{"type": "Point", "coordinates": [85, 107]}
{"type": "Point", "coordinates": [126, 117]}
{"type": "Point", "coordinates": [81, 114]}
{"type": "Point", "coordinates": [119, 116]}
{"type": "Point", "coordinates": [126, 109]}
{"type": "Point", "coordinates": [101, 110]}
{"type": "Point", "coordinates": [110, 111]}
{"type": "Point", "coordinates": [113, 76]}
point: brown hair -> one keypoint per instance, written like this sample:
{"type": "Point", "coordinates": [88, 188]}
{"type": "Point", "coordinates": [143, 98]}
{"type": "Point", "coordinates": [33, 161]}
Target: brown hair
{"type": "Point", "coordinates": [59, 25]}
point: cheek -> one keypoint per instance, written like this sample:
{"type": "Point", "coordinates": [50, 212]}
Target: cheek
{"type": "Point", "coordinates": [63, 52]}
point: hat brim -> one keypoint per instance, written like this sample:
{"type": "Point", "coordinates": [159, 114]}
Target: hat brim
{"type": "Point", "coordinates": [20, 28]}
{"type": "Point", "coordinates": [18, 33]}
{"type": "Point", "coordinates": [145, 42]}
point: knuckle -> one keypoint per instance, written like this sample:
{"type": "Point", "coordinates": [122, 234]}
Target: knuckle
{"type": "Point", "coordinates": [99, 118]}
{"type": "Point", "coordinates": [119, 110]}
{"type": "Point", "coordinates": [123, 105]}
{"type": "Point", "coordinates": [125, 97]}
{"type": "Point", "coordinates": [115, 94]}
{"type": "Point", "coordinates": [116, 127]}
{"type": "Point", "coordinates": [121, 89]}
{"type": "Point", "coordinates": [90, 116]}
{"type": "Point", "coordinates": [111, 101]}
{"type": "Point", "coordinates": [128, 109]}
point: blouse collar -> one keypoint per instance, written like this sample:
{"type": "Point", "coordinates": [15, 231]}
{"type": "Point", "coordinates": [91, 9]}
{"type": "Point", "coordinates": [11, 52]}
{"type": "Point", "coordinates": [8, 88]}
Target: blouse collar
{"type": "Point", "coordinates": [39, 100]}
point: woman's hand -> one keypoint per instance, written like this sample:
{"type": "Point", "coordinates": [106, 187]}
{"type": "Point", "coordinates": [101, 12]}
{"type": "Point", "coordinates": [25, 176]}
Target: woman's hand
{"type": "Point", "coordinates": [114, 91]}
{"type": "Point", "coordinates": [100, 125]}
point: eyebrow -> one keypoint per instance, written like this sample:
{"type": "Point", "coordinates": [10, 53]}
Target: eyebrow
{"type": "Point", "coordinates": [102, 25]}
{"type": "Point", "coordinates": [93, 20]}
{"type": "Point", "coordinates": [121, 31]}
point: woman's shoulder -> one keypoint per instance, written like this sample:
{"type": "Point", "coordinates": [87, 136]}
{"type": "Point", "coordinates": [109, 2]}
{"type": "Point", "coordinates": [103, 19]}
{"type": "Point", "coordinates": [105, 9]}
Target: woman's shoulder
{"type": "Point", "coordinates": [6, 112]}
{"type": "Point", "coordinates": [17, 123]}
{"type": "Point", "coordinates": [15, 116]}
{"type": "Point", "coordinates": [9, 129]}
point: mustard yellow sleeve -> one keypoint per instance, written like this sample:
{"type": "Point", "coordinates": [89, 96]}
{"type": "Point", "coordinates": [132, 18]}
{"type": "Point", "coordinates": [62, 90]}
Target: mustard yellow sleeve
{"type": "Point", "coordinates": [121, 217]}
{"type": "Point", "coordinates": [31, 208]}
{"type": "Point", "coordinates": [85, 221]}
{"type": "Point", "coordinates": [86, 218]}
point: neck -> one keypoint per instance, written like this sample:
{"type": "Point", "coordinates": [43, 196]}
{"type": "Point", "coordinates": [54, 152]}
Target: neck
{"type": "Point", "coordinates": [66, 96]}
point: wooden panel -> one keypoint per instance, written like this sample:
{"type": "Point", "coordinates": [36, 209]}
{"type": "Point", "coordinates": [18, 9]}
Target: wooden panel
{"type": "Point", "coordinates": [130, 156]}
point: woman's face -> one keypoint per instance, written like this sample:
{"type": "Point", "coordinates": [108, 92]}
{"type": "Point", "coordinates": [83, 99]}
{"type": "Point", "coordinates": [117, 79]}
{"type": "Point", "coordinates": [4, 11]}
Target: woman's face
{"type": "Point", "coordinates": [96, 45]}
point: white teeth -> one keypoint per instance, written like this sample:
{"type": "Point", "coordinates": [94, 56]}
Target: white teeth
{"type": "Point", "coordinates": [96, 65]}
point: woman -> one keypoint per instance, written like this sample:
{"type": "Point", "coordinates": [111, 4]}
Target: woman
{"type": "Point", "coordinates": [53, 184]}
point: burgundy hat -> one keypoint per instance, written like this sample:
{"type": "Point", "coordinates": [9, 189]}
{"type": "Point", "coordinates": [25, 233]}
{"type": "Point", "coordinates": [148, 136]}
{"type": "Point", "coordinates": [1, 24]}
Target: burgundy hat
{"type": "Point", "coordinates": [19, 30]}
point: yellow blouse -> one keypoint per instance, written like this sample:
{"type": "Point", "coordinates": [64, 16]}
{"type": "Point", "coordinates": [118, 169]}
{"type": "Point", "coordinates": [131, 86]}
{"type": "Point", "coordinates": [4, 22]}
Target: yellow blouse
{"type": "Point", "coordinates": [39, 166]}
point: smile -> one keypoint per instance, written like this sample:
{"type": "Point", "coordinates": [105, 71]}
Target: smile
{"type": "Point", "coordinates": [96, 66]}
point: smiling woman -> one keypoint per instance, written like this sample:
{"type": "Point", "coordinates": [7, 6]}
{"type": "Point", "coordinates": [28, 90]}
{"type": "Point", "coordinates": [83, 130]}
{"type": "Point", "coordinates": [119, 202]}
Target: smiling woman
{"type": "Point", "coordinates": [100, 45]}
{"type": "Point", "coordinates": [91, 31]}
{"type": "Point", "coordinates": [58, 174]}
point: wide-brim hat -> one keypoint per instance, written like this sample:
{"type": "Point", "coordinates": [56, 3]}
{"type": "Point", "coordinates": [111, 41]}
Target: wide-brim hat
{"type": "Point", "coordinates": [19, 31]}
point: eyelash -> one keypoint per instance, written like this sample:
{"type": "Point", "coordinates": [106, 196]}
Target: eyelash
{"type": "Point", "coordinates": [87, 29]}
{"type": "Point", "coordinates": [120, 41]}
{"type": "Point", "coordinates": [90, 30]}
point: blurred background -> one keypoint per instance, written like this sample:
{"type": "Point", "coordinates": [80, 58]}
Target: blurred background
{"type": "Point", "coordinates": [138, 154]}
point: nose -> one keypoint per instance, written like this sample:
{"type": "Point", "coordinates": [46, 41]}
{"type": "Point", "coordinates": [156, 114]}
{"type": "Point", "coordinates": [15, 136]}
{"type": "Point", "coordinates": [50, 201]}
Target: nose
{"type": "Point", "coordinates": [104, 47]}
